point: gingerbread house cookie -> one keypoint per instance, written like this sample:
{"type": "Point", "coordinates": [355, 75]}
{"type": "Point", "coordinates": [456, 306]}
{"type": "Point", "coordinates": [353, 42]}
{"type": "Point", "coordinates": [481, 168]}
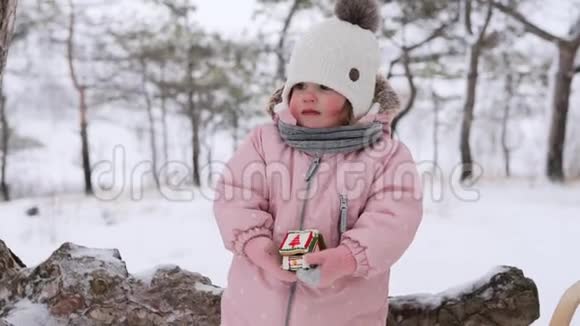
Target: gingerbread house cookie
{"type": "Point", "coordinates": [298, 243]}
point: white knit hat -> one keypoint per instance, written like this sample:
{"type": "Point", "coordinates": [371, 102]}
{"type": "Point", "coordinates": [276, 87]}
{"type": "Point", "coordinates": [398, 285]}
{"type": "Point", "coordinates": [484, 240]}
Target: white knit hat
{"type": "Point", "coordinates": [341, 53]}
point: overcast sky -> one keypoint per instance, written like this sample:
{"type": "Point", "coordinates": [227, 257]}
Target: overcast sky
{"type": "Point", "coordinates": [228, 16]}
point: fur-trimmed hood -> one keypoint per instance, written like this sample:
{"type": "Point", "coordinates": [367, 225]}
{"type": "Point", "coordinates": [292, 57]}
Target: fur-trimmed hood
{"type": "Point", "coordinates": [385, 96]}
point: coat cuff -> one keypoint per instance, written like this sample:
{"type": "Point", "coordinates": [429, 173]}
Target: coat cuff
{"type": "Point", "coordinates": [359, 254]}
{"type": "Point", "coordinates": [243, 237]}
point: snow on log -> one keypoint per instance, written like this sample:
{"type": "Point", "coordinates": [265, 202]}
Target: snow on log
{"type": "Point", "coordinates": [503, 297]}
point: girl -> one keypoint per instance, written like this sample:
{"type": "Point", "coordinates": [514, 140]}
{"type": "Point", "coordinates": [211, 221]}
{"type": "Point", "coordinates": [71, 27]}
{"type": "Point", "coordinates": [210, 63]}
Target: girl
{"type": "Point", "coordinates": [328, 162]}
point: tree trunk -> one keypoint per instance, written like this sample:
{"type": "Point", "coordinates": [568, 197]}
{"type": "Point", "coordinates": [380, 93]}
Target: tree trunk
{"type": "Point", "coordinates": [194, 120]}
{"type": "Point", "coordinates": [7, 15]}
{"type": "Point", "coordinates": [509, 91]}
{"type": "Point", "coordinates": [567, 49]}
{"type": "Point", "coordinates": [151, 119]}
{"type": "Point", "coordinates": [236, 129]}
{"type": "Point", "coordinates": [471, 90]}
{"type": "Point", "coordinates": [468, 108]}
{"type": "Point", "coordinates": [560, 104]}
{"type": "Point", "coordinates": [208, 149]}
{"type": "Point", "coordinates": [164, 121]}
{"type": "Point", "coordinates": [436, 125]}
{"type": "Point", "coordinates": [4, 147]}
{"type": "Point", "coordinates": [85, 142]}
{"type": "Point", "coordinates": [83, 108]}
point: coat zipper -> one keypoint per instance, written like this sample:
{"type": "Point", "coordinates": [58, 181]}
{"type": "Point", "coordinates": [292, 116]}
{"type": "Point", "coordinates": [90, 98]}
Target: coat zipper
{"type": "Point", "coordinates": [312, 169]}
{"type": "Point", "coordinates": [343, 214]}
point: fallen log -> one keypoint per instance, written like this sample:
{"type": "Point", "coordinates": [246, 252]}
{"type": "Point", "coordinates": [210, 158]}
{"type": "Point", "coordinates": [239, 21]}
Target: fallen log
{"type": "Point", "coordinates": [83, 286]}
{"type": "Point", "coordinates": [503, 297]}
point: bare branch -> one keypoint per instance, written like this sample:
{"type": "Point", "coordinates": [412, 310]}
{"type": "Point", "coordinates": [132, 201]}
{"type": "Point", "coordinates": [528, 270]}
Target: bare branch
{"type": "Point", "coordinates": [412, 95]}
{"type": "Point", "coordinates": [488, 15]}
{"type": "Point", "coordinates": [178, 10]}
{"type": "Point", "coordinates": [433, 56]}
{"type": "Point", "coordinates": [70, 45]}
{"type": "Point", "coordinates": [530, 27]}
{"type": "Point", "coordinates": [391, 66]}
{"type": "Point", "coordinates": [282, 40]}
{"type": "Point", "coordinates": [575, 31]}
{"type": "Point", "coordinates": [439, 31]}
{"type": "Point", "coordinates": [420, 59]}
{"type": "Point", "coordinates": [467, 16]}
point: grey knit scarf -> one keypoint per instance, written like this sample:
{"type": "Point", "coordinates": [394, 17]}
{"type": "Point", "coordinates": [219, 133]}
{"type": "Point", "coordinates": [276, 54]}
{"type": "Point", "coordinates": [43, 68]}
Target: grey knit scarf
{"type": "Point", "coordinates": [342, 139]}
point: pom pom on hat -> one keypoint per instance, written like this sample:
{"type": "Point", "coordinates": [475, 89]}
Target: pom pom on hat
{"type": "Point", "coordinates": [364, 13]}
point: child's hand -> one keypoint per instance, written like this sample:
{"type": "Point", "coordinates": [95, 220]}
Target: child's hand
{"type": "Point", "coordinates": [262, 252]}
{"type": "Point", "coordinates": [332, 264]}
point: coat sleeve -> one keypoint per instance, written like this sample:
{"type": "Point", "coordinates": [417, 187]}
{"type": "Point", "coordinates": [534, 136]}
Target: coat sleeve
{"type": "Point", "coordinates": [391, 216]}
{"type": "Point", "coordinates": [241, 196]}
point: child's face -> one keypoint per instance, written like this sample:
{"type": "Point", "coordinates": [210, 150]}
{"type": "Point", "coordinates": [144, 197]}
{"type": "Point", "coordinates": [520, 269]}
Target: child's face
{"type": "Point", "coordinates": [317, 106]}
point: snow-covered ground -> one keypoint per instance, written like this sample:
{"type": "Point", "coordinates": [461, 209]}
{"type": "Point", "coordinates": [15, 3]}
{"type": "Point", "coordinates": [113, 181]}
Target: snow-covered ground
{"type": "Point", "coordinates": [528, 224]}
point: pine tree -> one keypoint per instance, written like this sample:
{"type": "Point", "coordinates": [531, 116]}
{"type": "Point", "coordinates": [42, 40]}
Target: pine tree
{"type": "Point", "coordinates": [295, 242]}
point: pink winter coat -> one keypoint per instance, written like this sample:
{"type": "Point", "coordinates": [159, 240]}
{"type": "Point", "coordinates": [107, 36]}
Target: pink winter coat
{"type": "Point", "coordinates": [260, 194]}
